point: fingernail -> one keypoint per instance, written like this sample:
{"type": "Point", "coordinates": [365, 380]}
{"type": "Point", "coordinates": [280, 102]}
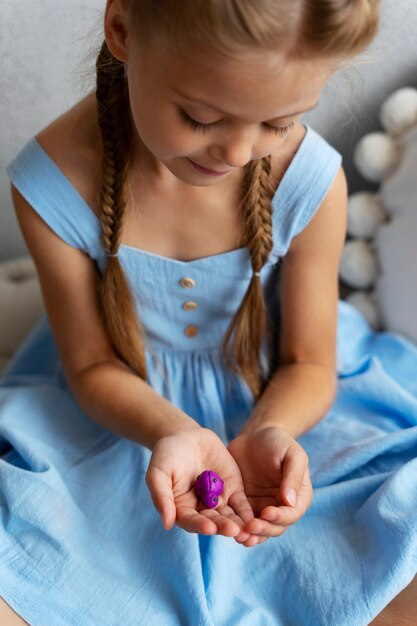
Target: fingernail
{"type": "Point", "coordinates": [268, 518]}
{"type": "Point", "coordinates": [292, 497]}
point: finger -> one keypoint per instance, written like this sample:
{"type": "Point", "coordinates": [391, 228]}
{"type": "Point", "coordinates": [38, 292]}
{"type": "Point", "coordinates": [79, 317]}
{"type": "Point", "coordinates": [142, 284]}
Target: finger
{"type": "Point", "coordinates": [242, 536]}
{"type": "Point", "coordinates": [230, 513]}
{"type": "Point", "coordinates": [244, 512]}
{"type": "Point", "coordinates": [193, 522]}
{"type": "Point", "coordinates": [228, 523]}
{"type": "Point", "coordinates": [293, 471]}
{"type": "Point", "coordinates": [160, 486]}
{"type": "Point", "coordinates": [254, 540]}
{"type": "Point", "coordinates": [260, 527]}
{"type": "Point", "coordinates": [285, 515]}
{"type": "Point", "coordinates": [240, 504]}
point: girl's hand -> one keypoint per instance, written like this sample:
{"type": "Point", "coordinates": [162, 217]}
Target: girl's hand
{"type": "Point", "coordinates": [175, 463]}
{"type": "Point", "coordinates": [274, 469]}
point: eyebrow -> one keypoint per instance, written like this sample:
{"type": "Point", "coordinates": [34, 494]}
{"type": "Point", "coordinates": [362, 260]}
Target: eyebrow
{"type": "Point", "coordinates": [211, 106]}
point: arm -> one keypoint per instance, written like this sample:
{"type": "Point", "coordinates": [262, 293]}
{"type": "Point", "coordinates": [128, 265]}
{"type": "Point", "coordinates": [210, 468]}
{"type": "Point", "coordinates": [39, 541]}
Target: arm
{"type": "Point", "coordinates": [274, 466]}
{"type": "Point", "coordinates": [115, 397]}
{"type": "Point", "coordinates": [295, 399]}
{"type": "Point", "coordinates": [302, 389]}
{"type": "Point", "coordinates": [104, 386]}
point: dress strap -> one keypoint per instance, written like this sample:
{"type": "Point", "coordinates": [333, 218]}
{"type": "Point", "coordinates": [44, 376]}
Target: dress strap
{"type": "Point", "coordinates": [51, 194]}
{"type": "Point", "coordinates": [303, 188]}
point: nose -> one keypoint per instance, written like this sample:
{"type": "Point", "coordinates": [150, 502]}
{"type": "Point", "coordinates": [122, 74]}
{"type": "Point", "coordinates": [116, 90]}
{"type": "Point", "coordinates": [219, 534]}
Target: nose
{"type": "Point", "coordinates": [236, 147]}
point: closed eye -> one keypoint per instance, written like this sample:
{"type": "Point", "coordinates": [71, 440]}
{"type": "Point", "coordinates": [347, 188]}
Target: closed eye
{"type": "Point", "coordinates": [203, 128]}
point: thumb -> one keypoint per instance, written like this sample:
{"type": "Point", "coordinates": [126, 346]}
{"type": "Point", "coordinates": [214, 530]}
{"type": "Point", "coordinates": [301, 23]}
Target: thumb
{"type": "Point", "coordinates": [293, 470]}
{"type": "Point", "coordinates": [160, 486]}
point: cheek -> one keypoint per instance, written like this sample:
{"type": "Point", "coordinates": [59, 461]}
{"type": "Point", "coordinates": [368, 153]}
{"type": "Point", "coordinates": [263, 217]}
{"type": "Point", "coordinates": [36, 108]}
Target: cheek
{"type": "Point", "coordinates": [162, 131]}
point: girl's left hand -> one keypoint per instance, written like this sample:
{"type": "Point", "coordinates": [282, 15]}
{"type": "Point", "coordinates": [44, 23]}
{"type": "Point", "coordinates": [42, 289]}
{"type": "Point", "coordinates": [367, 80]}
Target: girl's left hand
{"type": "Point", "coordinates": [272, 465]}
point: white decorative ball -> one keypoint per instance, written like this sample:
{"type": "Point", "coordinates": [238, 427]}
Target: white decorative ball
{"type": "Point", "coordinates": [374, 155]}
{"type": "Point", "coordinates": [365, 303]}
{"type": "Point", "coordinates": [358, 264]}
{"type": "Point", "coordinates": [399, 111]}
{"type": "Point", "coordinates": [365, 215]}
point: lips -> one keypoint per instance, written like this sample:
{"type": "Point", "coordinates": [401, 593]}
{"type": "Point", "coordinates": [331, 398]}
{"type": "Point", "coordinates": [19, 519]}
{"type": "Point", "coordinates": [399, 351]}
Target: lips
{"type": "Point", "coordinates": [208, 169]}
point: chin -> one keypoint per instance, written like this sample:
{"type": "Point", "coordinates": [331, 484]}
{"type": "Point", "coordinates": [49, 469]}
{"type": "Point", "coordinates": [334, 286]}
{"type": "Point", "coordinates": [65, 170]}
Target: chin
{"type": "Point", "coordinates": [210, 182]}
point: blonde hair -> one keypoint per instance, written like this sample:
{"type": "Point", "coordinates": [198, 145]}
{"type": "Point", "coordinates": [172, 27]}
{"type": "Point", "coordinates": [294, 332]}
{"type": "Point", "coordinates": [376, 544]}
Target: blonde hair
{"type": "Point", "coordinates": [299, 28]}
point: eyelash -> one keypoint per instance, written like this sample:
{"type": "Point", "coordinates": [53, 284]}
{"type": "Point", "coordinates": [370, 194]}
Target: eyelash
{"type": "Point", "coordinates": [203, 128]}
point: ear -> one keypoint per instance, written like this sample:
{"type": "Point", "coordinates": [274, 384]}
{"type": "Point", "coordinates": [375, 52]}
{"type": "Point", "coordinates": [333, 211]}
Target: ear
{"type": "Point", "coordinates": [116, 29]}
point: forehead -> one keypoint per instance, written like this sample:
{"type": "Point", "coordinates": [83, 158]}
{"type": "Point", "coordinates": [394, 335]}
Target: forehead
{"type": "Point", "coordinates": [258, 86]}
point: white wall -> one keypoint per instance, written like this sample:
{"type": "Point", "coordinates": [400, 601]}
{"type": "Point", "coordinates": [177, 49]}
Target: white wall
{"type": "Point", "coordinates": [47, 58]}
{"type": "Point", "coordinates": [44, 49]}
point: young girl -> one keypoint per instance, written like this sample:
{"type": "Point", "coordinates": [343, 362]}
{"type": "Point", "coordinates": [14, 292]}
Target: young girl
{"type": "Point", "coordinates": [187, 231]}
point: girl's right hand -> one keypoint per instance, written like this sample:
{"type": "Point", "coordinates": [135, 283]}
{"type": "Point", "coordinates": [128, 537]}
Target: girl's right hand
{"type": "Point", "coordinates": [175, 463]}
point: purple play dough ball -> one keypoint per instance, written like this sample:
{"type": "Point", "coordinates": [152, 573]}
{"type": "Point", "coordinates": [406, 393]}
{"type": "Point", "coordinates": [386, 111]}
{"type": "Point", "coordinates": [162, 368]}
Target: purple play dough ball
{"type": "Point", "coordinates": [208, 487]}
{"type": "Point", "coordinates": [210, 500]}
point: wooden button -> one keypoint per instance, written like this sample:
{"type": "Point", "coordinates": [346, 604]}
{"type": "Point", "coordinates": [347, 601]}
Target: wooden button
{"type": "Point", "coordinates": [190, 305]}
{"type": "Point", "coordinates": [191, 331]}
{"type": "Point", "coordinates": [187, 282]}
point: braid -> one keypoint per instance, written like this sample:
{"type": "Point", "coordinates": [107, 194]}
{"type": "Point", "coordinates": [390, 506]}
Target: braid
{"type": "Point", "coordinates": [249, 322]}
{"type": "Point", "coordinates": [115, 123]}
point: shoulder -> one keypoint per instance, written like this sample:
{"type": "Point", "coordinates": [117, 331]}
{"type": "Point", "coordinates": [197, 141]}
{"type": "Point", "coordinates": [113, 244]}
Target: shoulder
{"type": "Point", "coordinates": [309, 289]}
{"type": "Point", "coordinates": [328, 225]}
{"type": "Point", "coordinates": [73, 142]}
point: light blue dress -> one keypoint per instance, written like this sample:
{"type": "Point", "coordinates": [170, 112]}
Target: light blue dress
{"type": "Point", "coordinates": [80, 541]}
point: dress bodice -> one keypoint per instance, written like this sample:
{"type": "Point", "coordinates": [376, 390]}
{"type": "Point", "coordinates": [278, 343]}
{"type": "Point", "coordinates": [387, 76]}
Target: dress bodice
{"type": "Point", "coordinates": [182, 305]}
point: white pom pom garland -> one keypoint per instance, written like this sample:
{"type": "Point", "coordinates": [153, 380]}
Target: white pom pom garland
{"type": "Point", "coordinates": [358, 264]}
{"type": "Point", "coordinates": [374, 155]}
{"type": "Point", "coordinates": [399, 111]}
{"type": "Point", "coordinates": [365, 215]}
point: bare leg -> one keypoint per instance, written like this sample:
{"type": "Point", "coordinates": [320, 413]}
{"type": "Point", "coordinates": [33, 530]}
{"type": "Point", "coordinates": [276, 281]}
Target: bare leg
{"type": "Point", "coordinates": [9, 617]}
{"type": "Point", "coordinates": [402, 610]}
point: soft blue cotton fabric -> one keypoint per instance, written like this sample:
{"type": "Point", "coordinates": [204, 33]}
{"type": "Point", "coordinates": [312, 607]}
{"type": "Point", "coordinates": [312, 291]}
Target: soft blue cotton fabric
{"type": "Point", "coordinates": [80, 541]}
